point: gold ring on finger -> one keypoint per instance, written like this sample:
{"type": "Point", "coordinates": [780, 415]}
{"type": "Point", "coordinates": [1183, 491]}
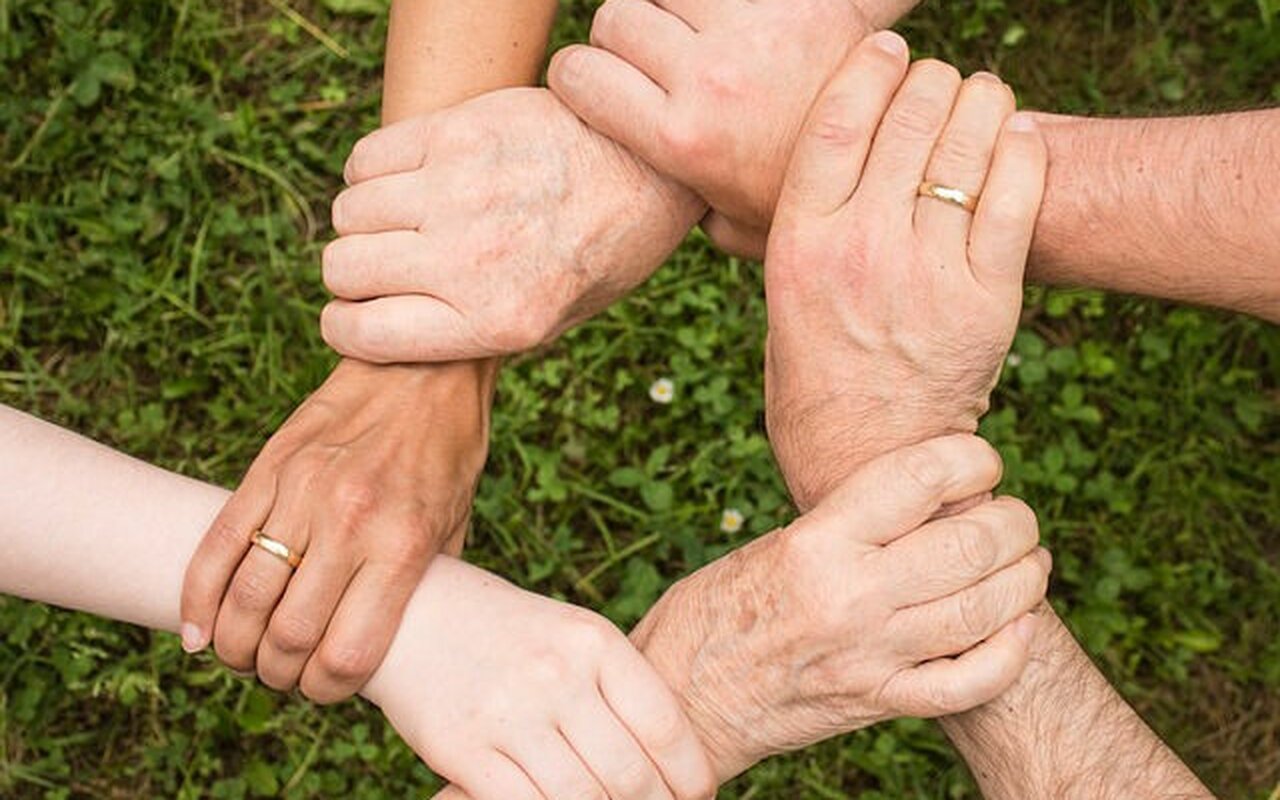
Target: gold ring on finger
{"type": "Point", "coordinates": [949, 194]}
{"type": "Point", "coordinates": [277, 548]}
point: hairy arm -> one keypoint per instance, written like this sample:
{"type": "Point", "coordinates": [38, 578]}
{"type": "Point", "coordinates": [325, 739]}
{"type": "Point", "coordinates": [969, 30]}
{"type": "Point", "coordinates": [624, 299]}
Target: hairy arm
{"type": "Point", "coordinates": [1062, 731]}
{"type": "Point", "coordinates": [1174, 208]}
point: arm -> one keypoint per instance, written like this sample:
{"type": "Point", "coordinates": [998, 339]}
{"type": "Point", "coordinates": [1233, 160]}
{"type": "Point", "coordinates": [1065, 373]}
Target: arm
{"type": "Point", "coordinates": [85, 527]}
{"type": "Point", "coordinates": [1063, 731]}
{"type": "Point", "coordinates": [862, 287]}
{"type": "Point", "coordinates": [394, 453]}
{"type": "Point", "coordinates": [1174, 208]}
{"type": "Point", "coordinates": [1171, 208]}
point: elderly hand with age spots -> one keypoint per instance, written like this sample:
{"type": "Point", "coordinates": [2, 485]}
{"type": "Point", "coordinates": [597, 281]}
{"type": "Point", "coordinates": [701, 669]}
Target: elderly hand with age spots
{"type": "Point", "coordinates": [861, 610]}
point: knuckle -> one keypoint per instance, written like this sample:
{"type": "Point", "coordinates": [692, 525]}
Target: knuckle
{"type": "Point", "coordinates": [685, 140]}
{"type": "Point", "coordinates": [836, 126]}
{"type": "Point", "coordinates": [353, 501]}
{"type": "Point", "coordinates": [252, 591]}
{"type": "Point", "coordinates": [963, 149]}
{"type": "Point", "coordinates": [722, 81]}
{"type": "Point", "coordinates": [923, 467]}
{"type": "Point", "coordinates": [975, 615]}
{"type": "Point", "coordinates": [934, 71]}
{"type": "Point", "coordinates": [975, 546]}
{"type": "Point", "coordinates": [291, 633]}
{"type": "Point", "coordinates": [634, 778]}
{"type": "Point", "coordinates": [914, 119]}
{"type": "Point", "coordinates": [346, 664]}
{"type": "Point", "coordinates": [228, 535]}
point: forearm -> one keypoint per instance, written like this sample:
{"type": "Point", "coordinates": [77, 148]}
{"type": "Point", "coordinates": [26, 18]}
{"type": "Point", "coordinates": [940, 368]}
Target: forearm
{"type": "Point", "coordinates": [85, 527]}
{"type": "Point", "coordinates": [1062, 731]}
{"type": "Point", "coordinates": [1173, 208]}
{"type": "Point", "coordinates": [441, 52]}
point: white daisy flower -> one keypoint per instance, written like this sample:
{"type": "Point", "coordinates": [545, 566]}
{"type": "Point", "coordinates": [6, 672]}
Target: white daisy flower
{"type": "Point", "coordinates": [663, 391]}
{"type": "Point", "coordinates": [731, 520]}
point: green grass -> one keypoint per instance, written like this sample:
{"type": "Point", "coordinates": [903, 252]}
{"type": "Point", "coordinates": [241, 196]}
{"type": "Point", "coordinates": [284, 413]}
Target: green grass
{"type": "Point", "coordinates": [165, 169]}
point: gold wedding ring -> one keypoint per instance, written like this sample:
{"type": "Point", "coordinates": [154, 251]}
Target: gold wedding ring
{"type": "Point", "coordinates": [949, 194]}
{"type": "Point", "coordinates": [277, 548]}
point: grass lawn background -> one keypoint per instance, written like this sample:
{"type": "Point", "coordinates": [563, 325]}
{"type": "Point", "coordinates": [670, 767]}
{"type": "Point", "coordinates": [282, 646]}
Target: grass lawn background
{"type": "Point", "coordinates": [165, 173]}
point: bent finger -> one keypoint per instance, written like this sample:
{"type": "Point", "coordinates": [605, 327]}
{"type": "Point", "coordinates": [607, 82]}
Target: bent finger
{"type": "Point", "coordinates": [615, 98]}
{"type": "Point", "coordinates": [949, 554]}
{"type": "Point", "coordinates": [363, 266]}
{"type": "Point", "coordinates": [298, 623]}
{"type": "Point", "coordinates": [399, 147]}
{"type": "Point", "coordinates": [391, 202]}
{"type": "Point", "coordinates": [360, 632]}
{"type": "Point", "coordinates": [644, 35]}
{"type": "Point", "coordinates": [954, 624]}
{"type": "Point", "coordinates": [400, 329]}
{"type": "Point", "coordinates": [1005, 220]}
{"type": "Point", "coordinates": [651, 713]}
{"type": "Point", "coordinates": [219, 554]}
{"type": "Point", "coordinates": [899, 491]}
{"type": "Point", "coordinates": [613, 755]}
{"type": "Point", "coordinates": [952, 685]}
{"type": "Point", "coordinates": [833, 146]}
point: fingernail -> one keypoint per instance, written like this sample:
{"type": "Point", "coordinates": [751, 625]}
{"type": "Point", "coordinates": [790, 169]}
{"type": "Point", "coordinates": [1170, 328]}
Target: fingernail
{"type": "Point", "coordinates": [193, 640]}
{"type": "Point", "coordinates": [1022, 122]}
{"type": "Point", "coordinates": [891, 43]}
{"type": "Point", "coordinates": [1025, 628]}
{"type": "Point", "coordinates": [986, 76]}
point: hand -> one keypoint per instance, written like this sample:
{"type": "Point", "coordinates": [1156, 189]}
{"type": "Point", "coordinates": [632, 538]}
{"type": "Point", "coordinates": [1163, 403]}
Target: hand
{"type": "Point", "coordinates": [510, 695]}
{"type": "Point", "coordinates": [889, 313]}
{"type": "Point", "coordinates": [368, 480]}
{"type": "Point", "coordinates": [711, 93]}
{"type": "Point", "coordinates": [488, 229]}
{"type": "Point", "coordinates": [859, 611]}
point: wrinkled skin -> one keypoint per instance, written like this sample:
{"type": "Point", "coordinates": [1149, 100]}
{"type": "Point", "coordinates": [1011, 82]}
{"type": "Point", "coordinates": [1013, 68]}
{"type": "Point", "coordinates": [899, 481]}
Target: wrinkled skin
{"type": "Point", "coordinates": [488, 229]}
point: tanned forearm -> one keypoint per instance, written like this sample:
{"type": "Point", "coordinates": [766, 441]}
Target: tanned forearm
{"type": "Point", "coordinates": [439, 53]}
{"type": "Point", "coordinates": [1062, 731]}
{"type": "Point", "coordinates": [1172, 208]}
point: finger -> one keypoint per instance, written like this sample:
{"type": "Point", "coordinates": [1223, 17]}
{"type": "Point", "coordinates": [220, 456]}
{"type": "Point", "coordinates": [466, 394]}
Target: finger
{"type": "Point", "coordinates": [613, 755]}
{"type": "Point", "coordinates": [391, 202]}
{"type": "Point", "coordinates": [896, 166]}
{"type": "Point", "coordinates": [614, 98]}
{"type": "Point", "coordinates": [645, 36]}
{"type": "Point", "coordinates": [950, 554]}
{"type": "Point", "coordinates": [735, 239]}
{"type": "Point", "coordinates": [401, 329]}
{"type": "Point", "coordinates": [554, 767]}
{"type": "Point", "coordinates": [899, 491]}
{"type": "Point", "coordinates": [829, 155]}
{"type": "Point", "coordinates": [1006, 217]}
{"type": "Point", "coordinates": [650, 712]}
{"type": "Point", "coordinates": [493, 776]}
{"type": "Point", "coordinates": [219, 554]}
{"type": "Point", "coordinates": [956, 623]}
{"type": "Point", "coordinates": [400, 147]}
{"type": "Point", "coordinates": [365, 266]}
{"type": "Point", "coordinates": [962, 159]}
{"type": "Point", "coordinates": [299, 622]}
{"type": "Point", "coordinates": [256, 588]}
{"type": "Point", "coordinates": [949, 686]}
{"type": "Point", "coordinates": [360, 631]}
